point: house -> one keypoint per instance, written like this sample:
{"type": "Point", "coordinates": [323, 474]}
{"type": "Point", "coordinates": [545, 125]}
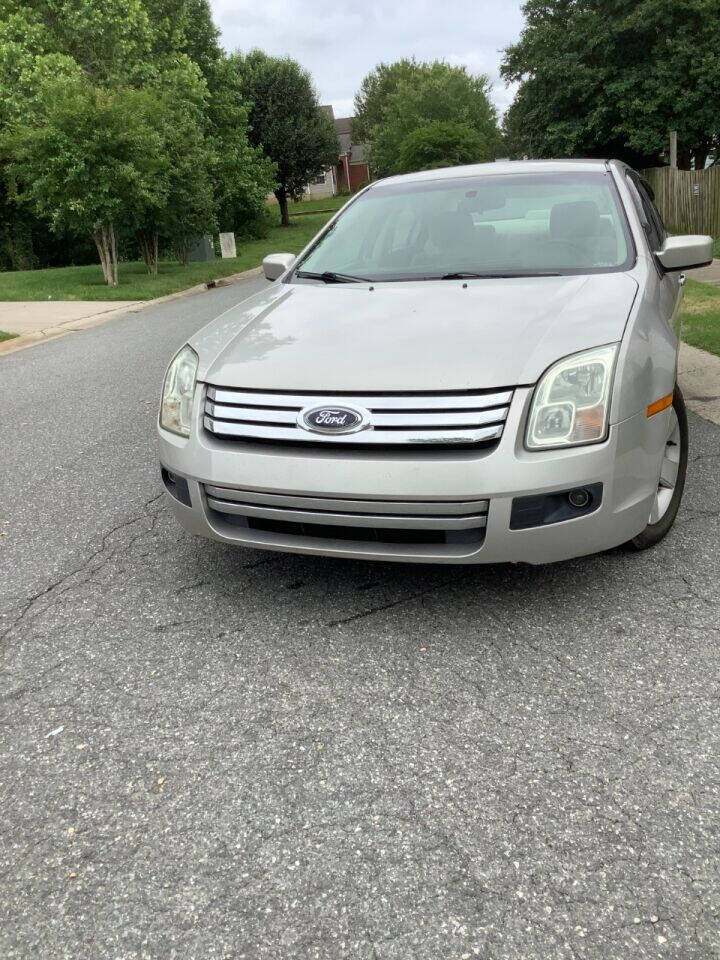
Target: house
{"type": "Point", "coordinates": [351, 170]}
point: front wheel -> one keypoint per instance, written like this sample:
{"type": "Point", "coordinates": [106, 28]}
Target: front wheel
{"type": "Point", "coordinates": [671, 482]}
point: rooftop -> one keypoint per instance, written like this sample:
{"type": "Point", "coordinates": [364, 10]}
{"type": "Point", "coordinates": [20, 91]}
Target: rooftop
{"type": "Point", "coordinates": [502, 167]}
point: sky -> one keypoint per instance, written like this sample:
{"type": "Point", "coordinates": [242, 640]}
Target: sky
{"type": "Point", "coordinates": [339, 43]}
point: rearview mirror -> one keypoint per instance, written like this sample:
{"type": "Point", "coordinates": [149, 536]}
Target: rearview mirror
{"type": "Point", "coordinates": [276, 264]}
{"type": "Point", "coordinates": [684, 253]}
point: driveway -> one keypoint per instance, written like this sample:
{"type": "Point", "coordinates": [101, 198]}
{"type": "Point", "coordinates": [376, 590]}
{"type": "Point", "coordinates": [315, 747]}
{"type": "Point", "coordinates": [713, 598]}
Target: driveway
{"type": "Point", "coordinates": [217, 753]}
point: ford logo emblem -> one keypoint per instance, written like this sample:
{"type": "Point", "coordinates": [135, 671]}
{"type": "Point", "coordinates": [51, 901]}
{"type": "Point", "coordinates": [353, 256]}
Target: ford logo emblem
{"type": "Point", "coordinates": [335, 420]}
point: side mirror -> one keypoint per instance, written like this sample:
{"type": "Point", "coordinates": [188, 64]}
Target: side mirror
{"type": "Point", "coordinates": [684, 253]}
{"type": "Point", "coordinates": [276, 264]}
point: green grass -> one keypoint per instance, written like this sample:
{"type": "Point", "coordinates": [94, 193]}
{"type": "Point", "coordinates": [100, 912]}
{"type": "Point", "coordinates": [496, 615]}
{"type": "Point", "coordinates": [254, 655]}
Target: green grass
{"type": "Point", "coordinates": [6, 336]}
{"type": "Point", "coordinates": [86, 283]}
{"type": "Point", "coordinates": [701, 316]}
{"type": "Point", "coordinates": [316, 206]}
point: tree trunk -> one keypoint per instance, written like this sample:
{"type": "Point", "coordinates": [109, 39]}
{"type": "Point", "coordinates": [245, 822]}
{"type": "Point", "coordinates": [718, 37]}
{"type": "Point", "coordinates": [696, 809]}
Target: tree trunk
{"type": "Point", "coordinates": [700, 157]}
{"type": "Point", "coordinates": [282, 200]}
{"type": "Point", "coordinates": [148, 242]}
{"type": "Point", "coordinates": [182, 250]}
{"type": "Point", "coordinates": [104, 238]}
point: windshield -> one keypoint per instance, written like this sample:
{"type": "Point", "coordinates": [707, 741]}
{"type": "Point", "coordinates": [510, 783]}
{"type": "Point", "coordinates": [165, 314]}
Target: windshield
{"type": "Point", "coordinates": [505, 225]}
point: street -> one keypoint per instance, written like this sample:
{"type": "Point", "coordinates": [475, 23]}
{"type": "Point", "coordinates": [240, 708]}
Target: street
{"type": "Point", "coordinates": [211, 752]}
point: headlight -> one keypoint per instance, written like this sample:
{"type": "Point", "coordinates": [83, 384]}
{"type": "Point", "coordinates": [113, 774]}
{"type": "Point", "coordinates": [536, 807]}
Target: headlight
{"type": "Point", "coordinates": [571, 401]}
{"type": "Point", "coordinates": [178, 391]}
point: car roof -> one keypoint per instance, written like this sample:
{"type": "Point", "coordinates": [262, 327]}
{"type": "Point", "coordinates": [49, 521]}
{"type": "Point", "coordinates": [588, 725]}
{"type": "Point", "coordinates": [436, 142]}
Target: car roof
{"type": "Point", "coordinates": [499, 167]}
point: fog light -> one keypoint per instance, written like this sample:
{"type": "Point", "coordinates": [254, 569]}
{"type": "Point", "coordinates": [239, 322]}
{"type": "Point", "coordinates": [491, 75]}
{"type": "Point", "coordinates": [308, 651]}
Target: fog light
{"type": "Point", "coordinates": [579, 498]}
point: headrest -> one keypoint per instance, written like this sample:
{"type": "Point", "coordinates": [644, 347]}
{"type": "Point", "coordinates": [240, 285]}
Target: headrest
{"type": "Point", "coordinates": [452, 229]}
{"type": "Point", "coordinates": [574, 221]}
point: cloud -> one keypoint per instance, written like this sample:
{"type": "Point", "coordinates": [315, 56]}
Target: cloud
{"type": "Point", "coordinates": [340, 45]}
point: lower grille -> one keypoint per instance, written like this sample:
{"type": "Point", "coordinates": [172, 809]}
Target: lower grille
{"type": "Point", "coordinates": [466, 418]}
{"type": "Point", "coordinates": [361, 521]}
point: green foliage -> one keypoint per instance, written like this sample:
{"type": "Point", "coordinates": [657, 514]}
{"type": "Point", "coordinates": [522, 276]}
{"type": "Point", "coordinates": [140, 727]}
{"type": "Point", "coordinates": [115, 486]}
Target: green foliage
{"type": "Point", "coordinates": [91, 157]}
{"type": "Point", "coordinates": [375, 90]}
{"type": "Point", "coordinates": [242, 174]}
{"type": "Point", "coordinates": [397, 99]}
{"type": "Point", "coordinates": [110, 42]}
{"type": "Point", "coordinates": [442, 144]}
{"type": "Point", "coordinates": [286, 121]}
{"type": "Point", "coordinates": [132, 120]}
{"type": "Point", "coordinates": [612, 78]}
{"type": "Point", "coordinates": [183, 205]}
{"type": "Point", "coordinates": [184, 27]}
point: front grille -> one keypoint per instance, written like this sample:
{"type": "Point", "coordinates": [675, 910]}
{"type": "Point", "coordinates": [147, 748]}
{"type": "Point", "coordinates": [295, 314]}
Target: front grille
{"type": "Point", "coordinates": [362, 521]}
{"type": "Point", "coordinates": [418, 419]}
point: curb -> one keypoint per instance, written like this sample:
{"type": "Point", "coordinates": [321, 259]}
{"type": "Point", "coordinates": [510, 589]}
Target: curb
{"type": "Point", "coordinates": [26, 340]}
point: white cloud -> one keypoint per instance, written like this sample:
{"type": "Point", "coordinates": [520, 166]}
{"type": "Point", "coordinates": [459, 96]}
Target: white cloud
{"type": "Point", "coordinates": [340, 46]}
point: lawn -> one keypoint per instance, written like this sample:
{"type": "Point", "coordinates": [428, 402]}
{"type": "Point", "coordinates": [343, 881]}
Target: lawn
{"type": "Point", "coordinates": [316, 206]}
{"type": "Point", "coordinates": [701, 316]}
{"type": "Point", "coordinates": [86, 283]}
{"type": "Point", "coordinates": [6, 336]}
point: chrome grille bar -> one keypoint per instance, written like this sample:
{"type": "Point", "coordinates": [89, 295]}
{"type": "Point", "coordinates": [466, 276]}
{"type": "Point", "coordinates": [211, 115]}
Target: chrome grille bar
{"type": "Point", "coordinates": [387, 520]}
{"type": "Point", "coordinates": [420, 419]}
{"type": "Point", "coordinates": [446, 508]}
{"type": "Point", "coordinates": [411, 401]}
{"type": "Point", "coordinates": [332, 511]}
{"type": "Point", "coordinates": [283, 434]}
{"type": "Point", "coordinates": [412, 419]}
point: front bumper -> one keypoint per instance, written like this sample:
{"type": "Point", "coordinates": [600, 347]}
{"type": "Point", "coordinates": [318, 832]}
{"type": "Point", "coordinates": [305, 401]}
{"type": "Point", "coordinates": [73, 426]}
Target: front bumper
{"type": "Point", "coordinates": [627, 465]}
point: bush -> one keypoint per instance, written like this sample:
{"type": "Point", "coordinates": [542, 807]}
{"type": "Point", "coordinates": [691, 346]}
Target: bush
{"type": "Point", "coordinates": [442, 144]}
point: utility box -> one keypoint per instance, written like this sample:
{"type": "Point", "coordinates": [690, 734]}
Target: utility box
{"type": "Point", "coordinates": [227, 246]}
{"type": "Point", "coordinates": [203, 249]}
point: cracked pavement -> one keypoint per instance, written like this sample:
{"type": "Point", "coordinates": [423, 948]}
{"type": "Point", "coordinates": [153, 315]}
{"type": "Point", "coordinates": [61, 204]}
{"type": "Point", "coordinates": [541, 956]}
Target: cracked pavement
{"type": "Point", "coordinates": [211, 752]}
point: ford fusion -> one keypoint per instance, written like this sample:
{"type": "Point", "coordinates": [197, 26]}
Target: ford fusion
{"type": "Point", "coordinates": [469, 365]}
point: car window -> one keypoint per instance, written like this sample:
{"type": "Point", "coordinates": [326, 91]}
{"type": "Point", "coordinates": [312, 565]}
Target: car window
{"type": "Point", "coordinates": [657, 221]}
{"type": "Point", "coordinates": [519, 224]}
{"type": "Point", "coordinates": [650, 218]}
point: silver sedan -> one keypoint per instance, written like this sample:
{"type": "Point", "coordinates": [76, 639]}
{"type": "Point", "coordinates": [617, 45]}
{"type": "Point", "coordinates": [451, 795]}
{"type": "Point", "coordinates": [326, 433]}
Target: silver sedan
{"type": "Point", "coordinates": [469, 365]}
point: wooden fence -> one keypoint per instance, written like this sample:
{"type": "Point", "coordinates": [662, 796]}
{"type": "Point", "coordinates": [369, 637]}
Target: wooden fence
{"type": "Point", "coordinates": [688, 200]}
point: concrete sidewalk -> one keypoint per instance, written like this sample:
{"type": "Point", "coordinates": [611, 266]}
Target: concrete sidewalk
{"type": "Point", "coordinates": [699, 378]}
{"type": "Point", "coordinates": [37, 320]}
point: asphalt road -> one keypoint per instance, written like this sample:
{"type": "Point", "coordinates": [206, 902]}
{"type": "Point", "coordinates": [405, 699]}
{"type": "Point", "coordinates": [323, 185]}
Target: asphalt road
{"type": "Point", "coordinates": [211, 753]}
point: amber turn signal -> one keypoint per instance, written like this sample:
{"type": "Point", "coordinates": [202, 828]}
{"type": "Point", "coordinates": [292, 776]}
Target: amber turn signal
{"type": "Point", "coordinates": [662, 404]}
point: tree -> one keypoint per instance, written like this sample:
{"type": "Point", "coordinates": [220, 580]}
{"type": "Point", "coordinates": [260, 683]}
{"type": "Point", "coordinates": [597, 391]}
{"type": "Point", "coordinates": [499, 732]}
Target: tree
{"type": "Point", "coordinates": [396, 100]}
{"type": "Point", "coordinates": [243, 176]}
{"type": "Point", "coordinates": [612, 78]}
{"type": "Point", "coordinates": [287, 122]}
{"type": "Point", "coordinates": [184, 27]}
{"type": "Point", "coordinates": [90, 161]}
{"type": "Point", "coordinates": [196, 164]}
{"type": "Point", "coordinates": [110, 42]}
{"type": "Point", "coordinates": [375, 90]}
{"type": "Point", "coordinates": [441, 144]}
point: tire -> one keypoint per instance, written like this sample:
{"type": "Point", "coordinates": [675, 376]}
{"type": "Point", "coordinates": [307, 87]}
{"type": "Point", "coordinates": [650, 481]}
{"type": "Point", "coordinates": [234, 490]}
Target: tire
{"type": "Point", "coordinates": [667, 504]}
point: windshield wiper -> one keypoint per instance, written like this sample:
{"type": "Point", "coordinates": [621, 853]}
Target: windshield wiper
{"type": "Point", "coordinates": [329, 276]}
{"type": "Point", "coordinates": [466, 275]}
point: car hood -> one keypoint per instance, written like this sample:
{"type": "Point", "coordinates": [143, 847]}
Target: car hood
{"type": "Point", "coordinates": [427, 335]}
